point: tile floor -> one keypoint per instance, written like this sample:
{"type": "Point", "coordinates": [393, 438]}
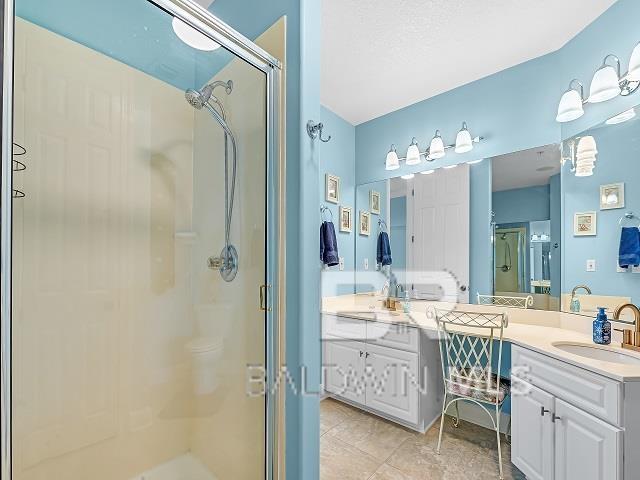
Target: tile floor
{"type": "Point", "coordinates": [355, 445]}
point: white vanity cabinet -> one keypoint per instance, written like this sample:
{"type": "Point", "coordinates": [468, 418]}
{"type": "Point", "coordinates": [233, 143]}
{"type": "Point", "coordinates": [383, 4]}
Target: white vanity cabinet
{"type": "Point", "coordinates": [569, 423]}
{"type": "Point", "coordinates": [392, 370]}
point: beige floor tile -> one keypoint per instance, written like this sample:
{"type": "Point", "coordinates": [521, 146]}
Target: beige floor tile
{"type": "Point", "coordinates": [387, 472]}
{"type": "Point", "coordinates": [375, 436]}
{"type": "Point", "coordinates": [341, 461]}
{"type": "Point", "coordinates": [333, 413]}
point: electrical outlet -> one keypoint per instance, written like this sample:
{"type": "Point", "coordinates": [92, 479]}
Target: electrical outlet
{"type": "Point", "coordinates": [366, 264]}
{"type": "Point", "coordinates": [591, 265]}
{"type": "Point", "coordinates": [341, 263]}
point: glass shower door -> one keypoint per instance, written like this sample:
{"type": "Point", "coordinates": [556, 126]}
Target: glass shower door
{"type": "Point", "coordinates": [139, 248]}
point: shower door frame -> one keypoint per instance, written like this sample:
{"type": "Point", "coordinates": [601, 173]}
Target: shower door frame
{"type": "Point", "coordinates": [204, 21]}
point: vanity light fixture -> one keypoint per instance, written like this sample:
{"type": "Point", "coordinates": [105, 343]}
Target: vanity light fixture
{"type": "Point", "coordinates": [605, 84]}
{"type": "Point", "coordinates": [413, 153]}
{"type": "Point", "coordinates": [436, 150]}
{"type": "Point", "coordinates": [634, 65]}
{"type": "Point", "coordinates": [427, 172]}
{"type": "Point", "coordinates": [393, 163]}
{"type": "Point", "coordinates": [608, 82]}
{"type": "Point", "coordinates": [408, 176]}
{"type": "Point", "coordinates": [622, 117]}
{"type": "Point", "coordinates": [464, 143]}
{"type": "Point", "coordinates": [570, 106]}
{"type": "Point", "coordinates": [193, 37]}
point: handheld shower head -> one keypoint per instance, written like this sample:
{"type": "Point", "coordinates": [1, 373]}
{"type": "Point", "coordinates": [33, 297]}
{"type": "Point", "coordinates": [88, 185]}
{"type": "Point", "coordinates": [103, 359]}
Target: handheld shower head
{"type": "Point", "coordinates": [197, 98]}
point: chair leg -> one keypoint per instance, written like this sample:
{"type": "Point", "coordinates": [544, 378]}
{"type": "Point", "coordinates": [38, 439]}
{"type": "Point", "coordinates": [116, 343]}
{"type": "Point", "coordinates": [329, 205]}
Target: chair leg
{"type": "Point", "coordinates": [444, 405]}
{"type": "Point", "coordinates": [499, 446]}
{"type": "Point", "coordinates": [507, 435]}
{"type": "Point", "coordinates": [456, 422]}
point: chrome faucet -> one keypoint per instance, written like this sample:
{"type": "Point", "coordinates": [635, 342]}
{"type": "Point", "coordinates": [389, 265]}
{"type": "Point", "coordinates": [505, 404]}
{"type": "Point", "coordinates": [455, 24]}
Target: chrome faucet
{"type": "Point", "coordinates": [575, 303]}
{"type": "Point", "coordinates": [631, 339]}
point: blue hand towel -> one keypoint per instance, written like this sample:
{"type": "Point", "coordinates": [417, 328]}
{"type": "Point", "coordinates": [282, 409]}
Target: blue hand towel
{"type": "Point", "coordinates": [383, 255]}
{"type": "Point", "coordinates": [328, 244]}
{"type": "Point", "coordinates": [629, 253]}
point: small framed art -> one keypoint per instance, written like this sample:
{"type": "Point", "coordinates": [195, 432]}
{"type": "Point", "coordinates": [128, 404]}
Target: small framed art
{"type": "Point", "coordinates": [584, 224]}
{"type": "Point", "coordinates": [611, 196]}
{"type": "Point", "coordinates": [365, 223]}
{"type": "Point", "coordinates": [346, 219]}
{"type": "Point", "coordinates": [374, 202]}
{"type": "Point", "coordinates": [332, 188]}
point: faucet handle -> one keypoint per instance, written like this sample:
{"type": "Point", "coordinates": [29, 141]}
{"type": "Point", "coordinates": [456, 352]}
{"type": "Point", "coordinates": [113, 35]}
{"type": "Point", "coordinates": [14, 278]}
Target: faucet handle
{"type": "Point", "coordinates": [626, 335]}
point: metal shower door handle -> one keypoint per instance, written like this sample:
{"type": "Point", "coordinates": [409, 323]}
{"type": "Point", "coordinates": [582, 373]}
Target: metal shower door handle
{"type": "Point", "coordinates": [264, 298]}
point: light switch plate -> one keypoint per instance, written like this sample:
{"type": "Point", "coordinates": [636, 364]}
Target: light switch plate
{"type": "Point", "coordinates": [341, 263]}
{"type": "Point", "coordinates": [591, 265]}
{"type": "Point", "coordinates": [366, 264]}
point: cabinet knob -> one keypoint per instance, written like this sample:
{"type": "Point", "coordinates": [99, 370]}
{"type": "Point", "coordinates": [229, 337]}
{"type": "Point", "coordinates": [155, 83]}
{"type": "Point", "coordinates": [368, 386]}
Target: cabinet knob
{"type": "Point", "coordinates": [366, 355]}
{"type": "Point", "coordinates": [361, 353]}
{"type": "Point", "coordinates": [554, 417]}
{"type": "Point", "coordinates": [543, 411]}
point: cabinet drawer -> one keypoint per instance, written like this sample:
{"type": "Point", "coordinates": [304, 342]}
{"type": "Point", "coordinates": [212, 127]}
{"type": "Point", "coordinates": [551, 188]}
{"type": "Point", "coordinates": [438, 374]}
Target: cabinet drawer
{"type": "Point", "coordinates": [344, 327]}
{"type": "Point", "coordinates": [588, 391]}
{"type": "Point", "coordinates": [398, 336]}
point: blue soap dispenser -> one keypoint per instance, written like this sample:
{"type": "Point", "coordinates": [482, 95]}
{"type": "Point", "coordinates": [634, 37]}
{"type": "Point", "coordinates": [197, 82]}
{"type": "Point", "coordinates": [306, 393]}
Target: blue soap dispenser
{"type": "Point", "coordinates": [602, 328]}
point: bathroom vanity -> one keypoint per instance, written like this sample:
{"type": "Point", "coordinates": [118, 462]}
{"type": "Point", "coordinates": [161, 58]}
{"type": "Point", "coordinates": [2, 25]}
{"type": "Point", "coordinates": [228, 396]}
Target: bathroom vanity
{"type": "Point", "coordinates": [388, 368]}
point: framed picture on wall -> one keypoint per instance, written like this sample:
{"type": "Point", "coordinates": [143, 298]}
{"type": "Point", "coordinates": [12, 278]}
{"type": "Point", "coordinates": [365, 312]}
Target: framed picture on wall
{"type": "Point", "coordinates": [332, 188]}
{"type": "Point", "coordinates": [346, 219]}
{"type": "Point", "coordinates": [611, 196]}
{"type": "Point", "coordinates": [584, 224]}
{"type": "Point", "coordinates": [374, 202]}
{"type": "Point", "coordinates": [365, 223]}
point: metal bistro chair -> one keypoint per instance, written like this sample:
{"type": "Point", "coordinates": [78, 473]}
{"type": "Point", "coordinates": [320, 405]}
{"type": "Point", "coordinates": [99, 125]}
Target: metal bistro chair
{"type": "Point", "coordinates": [467, 350]}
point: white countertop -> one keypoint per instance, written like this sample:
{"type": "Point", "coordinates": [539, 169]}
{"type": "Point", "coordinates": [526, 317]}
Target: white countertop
{"type": "Point", "coordinates": [533, 329]}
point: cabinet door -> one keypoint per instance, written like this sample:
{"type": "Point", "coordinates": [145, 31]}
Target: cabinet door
{"type": "Point", "coordinates": [532, 431]}
{"type": "Point", "coordinates": [586, 448]}
{"type": "Point", "coordinates": [344, 364]}
{"type": "Point", "coordinates": [393, 383]}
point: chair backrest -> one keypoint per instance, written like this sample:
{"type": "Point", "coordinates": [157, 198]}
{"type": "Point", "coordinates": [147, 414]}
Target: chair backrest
{"type": "Point", "coordinates": [504, 301]}
{"type": "Point", "coordinates": [467, 348]}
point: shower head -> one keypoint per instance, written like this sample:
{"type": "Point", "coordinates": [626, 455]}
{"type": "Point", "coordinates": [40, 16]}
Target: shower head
{"type": "Point", "coordinates": [197, 98]}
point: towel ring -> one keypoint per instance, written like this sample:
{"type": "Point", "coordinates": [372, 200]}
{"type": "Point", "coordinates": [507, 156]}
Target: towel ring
{"type": "Point", "coordinates": [382, 225]}
{"type": "Point", "coordinates": [324, 209]}
{"type": "Point", "coordinates": [628, 216]}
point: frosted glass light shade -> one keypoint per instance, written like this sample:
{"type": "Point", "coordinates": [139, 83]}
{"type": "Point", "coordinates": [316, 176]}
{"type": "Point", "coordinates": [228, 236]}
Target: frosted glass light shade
{"type": "Point", "coordinates": [584, 171]}
{"type": "Point", "coordinates": [570, 107]}
{"type": "Point", "coordinates": [427, 172]}
{"type": "Point", "coordinates": [604, 85]}
{"type": "Point", "coordinates": [392, 163]}
{"type": "Point", "coordinates": [587, 145]}
{"type": "Point", "coordinates": [193, 37]}
{"type": "Point", "coordinates": [463, 140]}
{"type": "Point", "coordinates": [622, 117]}
{"type": "Point", "coordinates": [436, 150]}
{"type": "Point", "coordinates": [408, 176]}
{"type": "Point", "coordinates": [634, 65]}
{"type": "Point", "coordinates": [413, 153]}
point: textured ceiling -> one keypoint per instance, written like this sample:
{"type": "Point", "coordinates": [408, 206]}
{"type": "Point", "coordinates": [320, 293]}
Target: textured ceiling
{"type": "Point", "coordinates": [526, 168]}
{"type": "Point", "coordinates": [379, 56]}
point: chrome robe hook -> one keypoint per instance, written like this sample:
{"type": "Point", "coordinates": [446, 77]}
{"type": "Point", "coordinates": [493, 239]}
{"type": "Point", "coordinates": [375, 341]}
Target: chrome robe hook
{"type": "Point", "coordinates": [315, 130]}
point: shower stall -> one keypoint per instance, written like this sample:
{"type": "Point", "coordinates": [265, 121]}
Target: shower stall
{"type": "Point", "coordinates": [141, 244]}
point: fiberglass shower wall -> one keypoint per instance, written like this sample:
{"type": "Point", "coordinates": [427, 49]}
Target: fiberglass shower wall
{"type": "Point", "coordinates": [124, 204]}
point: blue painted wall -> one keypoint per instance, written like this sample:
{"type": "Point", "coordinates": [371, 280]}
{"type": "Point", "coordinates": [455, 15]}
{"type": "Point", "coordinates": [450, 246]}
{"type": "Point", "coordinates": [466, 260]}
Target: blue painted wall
{"type": "Point", "coordinates": [337, 157]}
{"type": "Point", "coordinates": [521, 204]}
{"type": "Point", "coordinates": [514, 109]}
{"type": "Point", "coordinates": [618, 161]}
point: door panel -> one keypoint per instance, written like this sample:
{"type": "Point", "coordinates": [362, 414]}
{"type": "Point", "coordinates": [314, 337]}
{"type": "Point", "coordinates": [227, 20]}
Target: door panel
{"type": "Point", "coordinates": [586, 448]}
{"type": "Point", "coordinates": [532, 436]}
{"type": "Point", "coordinates": [345, 369]}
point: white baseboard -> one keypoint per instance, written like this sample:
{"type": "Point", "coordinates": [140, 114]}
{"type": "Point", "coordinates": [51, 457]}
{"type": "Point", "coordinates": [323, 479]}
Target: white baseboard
{"type": "Point", "coordinates": [472, 413]}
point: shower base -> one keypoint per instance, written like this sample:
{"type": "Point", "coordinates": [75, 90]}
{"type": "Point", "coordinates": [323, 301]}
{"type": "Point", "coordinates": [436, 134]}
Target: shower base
{"type": "Point", "coordinates": [184, 467]}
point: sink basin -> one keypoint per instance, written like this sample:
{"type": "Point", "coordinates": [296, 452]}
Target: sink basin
{"type": "Point", "coordinates": [598, 352]}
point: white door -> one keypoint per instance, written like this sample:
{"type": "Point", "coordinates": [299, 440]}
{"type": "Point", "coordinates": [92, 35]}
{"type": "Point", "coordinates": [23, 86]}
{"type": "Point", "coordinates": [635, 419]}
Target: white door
{"type": "Point", "coordinates": [532, 431]}
{"type": "Point", "coordinates": [344, 365]}
{"type": "Point", "coordinates": [393, 382]}
{"type": "Point", "coordinates": [586, 448]}
{"type": "Point", "coordinates": [440, 232]}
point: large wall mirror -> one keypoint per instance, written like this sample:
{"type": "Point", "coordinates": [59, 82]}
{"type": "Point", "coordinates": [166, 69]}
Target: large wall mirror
{"type": "Point", "coordinates": [539, 228]}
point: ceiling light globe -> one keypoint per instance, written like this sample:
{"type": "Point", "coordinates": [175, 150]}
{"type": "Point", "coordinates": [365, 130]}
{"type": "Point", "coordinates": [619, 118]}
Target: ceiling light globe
{"type": "Point", "coordinates": [570, 107]}
{"type": "Point", "coordinates": [605, 85]}
{"type": "Point", "coordinates": [193, 37]}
